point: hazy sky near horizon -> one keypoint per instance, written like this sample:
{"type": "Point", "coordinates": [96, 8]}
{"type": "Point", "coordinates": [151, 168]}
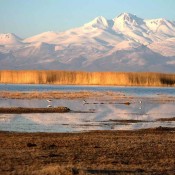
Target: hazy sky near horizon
{"type": "Point", "coordinates": [26, 18]}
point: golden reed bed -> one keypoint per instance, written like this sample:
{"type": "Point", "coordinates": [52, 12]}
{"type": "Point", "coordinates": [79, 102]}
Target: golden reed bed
{"type": "Point", "coordinates": [87, 78]}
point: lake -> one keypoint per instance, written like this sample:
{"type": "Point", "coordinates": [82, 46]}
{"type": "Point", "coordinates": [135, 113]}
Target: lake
{"type": "Point", "coordinates": [102, 114]}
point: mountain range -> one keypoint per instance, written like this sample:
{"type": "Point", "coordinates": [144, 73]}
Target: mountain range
{"type": "Point", "coordinates": [125, 43]}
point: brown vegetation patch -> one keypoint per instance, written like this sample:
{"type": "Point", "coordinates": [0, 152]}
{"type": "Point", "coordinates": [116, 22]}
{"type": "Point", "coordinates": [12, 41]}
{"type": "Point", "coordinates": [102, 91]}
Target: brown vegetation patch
{"type": "Point", "coordinates": [19, 110]}
{"type": "Point", "coordinates": [148, 151]}
{"type": "Point", "coordinates": [128, 121]}
{"type": "Point", "coordinates": [54, 95]}
{"type": "Point", "coordinates": [166, 119]}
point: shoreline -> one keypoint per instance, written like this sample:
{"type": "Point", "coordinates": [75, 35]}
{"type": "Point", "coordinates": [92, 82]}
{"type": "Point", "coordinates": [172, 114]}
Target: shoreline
{"type": "Point", "coordinates": [101, 85]}
{"type": "Point", "coordinates": [73, 95]}
{"type": "Point", "coordinates": [145, 151]}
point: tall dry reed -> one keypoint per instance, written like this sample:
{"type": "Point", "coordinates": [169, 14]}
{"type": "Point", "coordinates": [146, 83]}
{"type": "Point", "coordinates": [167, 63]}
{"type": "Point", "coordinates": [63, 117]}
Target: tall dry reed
{"type": "Point", "coordinates": [86, 78]}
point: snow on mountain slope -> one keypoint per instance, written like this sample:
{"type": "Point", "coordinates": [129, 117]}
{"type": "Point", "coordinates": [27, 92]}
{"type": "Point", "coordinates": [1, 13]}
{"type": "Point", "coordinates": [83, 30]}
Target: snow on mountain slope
{"type": "Point", "coordinates": [144, 31]}
{"type": "Point", "coordinates": [99, 22]}
{"type": "Point", "coordinates": [126, 43]}
{"type": "Point", "coordinates": [82, 35]}
{"type": "Point", "coordinates": [166, 47]}
{"type": "Point", "coordinates": [46, 37]}
{"type": "Point", "coordinates": [161, 26]}
{"type": "Point", "coordinates": [127, 21]}
{"type": "Point", "coordinates": [137, 59]}
{"type": "Point", "coordinates": [38, 49]}
{"type": "Point", "coordinates": [133, 27]}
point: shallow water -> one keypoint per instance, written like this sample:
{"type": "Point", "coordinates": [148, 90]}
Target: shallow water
{"type": "Point", "coordinates": [136, 91]}
{"type": "Point", "coordinates": [102, 115]}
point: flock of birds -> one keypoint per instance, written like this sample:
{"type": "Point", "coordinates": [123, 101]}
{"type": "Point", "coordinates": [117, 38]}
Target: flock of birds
{"type": "Point", "coordinates": [49, 101]}
{"type": "Point", "coordinates": [84, 102]}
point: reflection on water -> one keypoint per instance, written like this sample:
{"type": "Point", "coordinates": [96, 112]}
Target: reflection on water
{"type": "Point", "coordinates": [106, 115]}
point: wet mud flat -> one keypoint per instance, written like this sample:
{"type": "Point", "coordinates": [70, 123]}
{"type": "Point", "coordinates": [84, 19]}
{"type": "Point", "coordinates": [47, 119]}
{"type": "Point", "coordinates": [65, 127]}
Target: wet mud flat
{"type": "Point", "coordinates": [146, 151]}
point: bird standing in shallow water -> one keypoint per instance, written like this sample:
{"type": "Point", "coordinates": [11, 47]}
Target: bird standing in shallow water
{"type": "Point", "coordinates": [84, 102]}
{"type": "Point", "coordinates": [49, 106]}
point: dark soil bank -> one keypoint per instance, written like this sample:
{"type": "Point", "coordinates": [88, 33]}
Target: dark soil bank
{"type": "Point", "coordinates": [19, 110]}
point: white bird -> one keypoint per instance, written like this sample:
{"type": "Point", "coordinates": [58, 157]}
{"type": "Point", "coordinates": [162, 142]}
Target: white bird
{"type": "Point", "coordinates": [49, 100]}
{"type": "Point", "coordinates": [49, 106]}
{"type": "Point", "coordinates": [140, 101]}
{"type": "Point", "coordinates": [84, 102]}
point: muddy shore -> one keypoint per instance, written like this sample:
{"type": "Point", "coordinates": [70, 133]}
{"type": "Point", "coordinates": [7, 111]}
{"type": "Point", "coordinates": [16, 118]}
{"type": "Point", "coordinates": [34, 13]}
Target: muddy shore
{"type": "Point", "coordinates": [149, 151]}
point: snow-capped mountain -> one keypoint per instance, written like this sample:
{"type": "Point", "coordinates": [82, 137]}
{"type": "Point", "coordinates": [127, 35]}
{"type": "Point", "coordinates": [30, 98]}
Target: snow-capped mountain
{"type": "Point", "coordinates": [125, 43]}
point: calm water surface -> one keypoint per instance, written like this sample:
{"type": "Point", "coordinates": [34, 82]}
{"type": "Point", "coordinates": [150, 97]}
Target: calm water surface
{"type": "Point", "coordinates": [100, 117]}
{"type": "Point", "coordinates": [139, 91]}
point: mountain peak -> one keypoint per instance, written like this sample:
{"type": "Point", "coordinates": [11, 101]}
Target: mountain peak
{"type": "Point", "coordinates": [98, 22]}
{"type": "Point", "coordinates": [128, 18]}
{"type": "Point", "coordinates": [125, 14]}
{"type": "Point", "coordinates": [158, 20]}
{"type": "Point", "coordinates": [161, 25]}
{"type": "Point", "coordinates": [9, 38]}
{"type": "Point", "coordinates": [8, 35]}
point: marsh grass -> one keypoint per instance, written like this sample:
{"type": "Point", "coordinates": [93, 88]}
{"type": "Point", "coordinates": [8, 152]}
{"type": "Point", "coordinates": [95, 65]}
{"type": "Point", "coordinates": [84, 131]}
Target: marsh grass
{"type": "Point", "coordinates": [87, 78]}
{"type": "Point", "coordinates": [55, 95]}
{"type": "Point", "coordinates": [172, 119]}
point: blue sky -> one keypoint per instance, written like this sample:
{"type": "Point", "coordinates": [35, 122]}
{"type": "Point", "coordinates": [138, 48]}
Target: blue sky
{"type": "Point", "coordinates": [30, 17]}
